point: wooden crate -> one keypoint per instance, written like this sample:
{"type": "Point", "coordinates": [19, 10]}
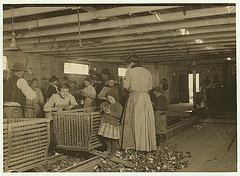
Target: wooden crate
{"type": "Point", "coordinates": [77, 130]}
{"type": "Point", "coordinates": [25, 143]}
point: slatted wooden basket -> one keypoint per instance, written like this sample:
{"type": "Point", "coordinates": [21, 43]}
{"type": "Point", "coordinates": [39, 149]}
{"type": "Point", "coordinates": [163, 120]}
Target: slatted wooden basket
{"type": "Point", "coordinates": [25, 143]}
{"type": "Point", "coordinates": [77, 130]}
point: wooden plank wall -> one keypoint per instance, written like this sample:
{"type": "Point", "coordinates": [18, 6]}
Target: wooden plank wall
{"type": "Point", "coordinates": [42, 67]}
{"type": "Point", "coordinates": [158, 73]}
{"type": "Point", "coordinates": [39, 67]}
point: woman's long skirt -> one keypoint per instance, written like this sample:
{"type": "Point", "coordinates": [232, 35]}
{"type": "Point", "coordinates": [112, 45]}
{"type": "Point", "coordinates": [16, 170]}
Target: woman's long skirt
{"type": "Point", "coordinates": [138, 124]}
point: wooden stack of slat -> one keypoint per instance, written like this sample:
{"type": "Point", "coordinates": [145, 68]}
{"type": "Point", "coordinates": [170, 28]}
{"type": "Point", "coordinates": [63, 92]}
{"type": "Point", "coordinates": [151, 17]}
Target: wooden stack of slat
{"type": "Point", "coordinates": [26, 143]}
{"type": "Point", "coordinates": [94, 141]}
{"type": "Point", "coordinates": [77, 130]}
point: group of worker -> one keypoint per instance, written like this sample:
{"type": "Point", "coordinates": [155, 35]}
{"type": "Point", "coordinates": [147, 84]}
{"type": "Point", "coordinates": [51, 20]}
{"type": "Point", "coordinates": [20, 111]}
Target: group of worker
{"type": "Point", "coordinates": [133, 123]}
{"type": "Point", "coordinates": [23, 99]}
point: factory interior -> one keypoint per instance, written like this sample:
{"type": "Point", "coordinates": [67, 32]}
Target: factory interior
{"type": "Point", "coordinates": [186, 53]}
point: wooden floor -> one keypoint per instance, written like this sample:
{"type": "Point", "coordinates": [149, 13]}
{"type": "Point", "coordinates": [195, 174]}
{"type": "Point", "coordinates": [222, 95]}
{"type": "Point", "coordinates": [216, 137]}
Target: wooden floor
{"type": "Point", "coordinates": [208, 144]}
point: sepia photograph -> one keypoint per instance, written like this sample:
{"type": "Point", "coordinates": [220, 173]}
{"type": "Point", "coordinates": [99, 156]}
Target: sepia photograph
{"type": "Point", "coordinates": [119, 87]}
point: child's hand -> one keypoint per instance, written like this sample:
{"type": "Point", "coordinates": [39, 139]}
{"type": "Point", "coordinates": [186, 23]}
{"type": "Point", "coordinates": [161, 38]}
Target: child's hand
{"type": "Point", "coordinates": [59, 109]}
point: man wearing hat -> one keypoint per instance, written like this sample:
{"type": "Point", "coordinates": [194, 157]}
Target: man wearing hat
{"type": "Point", "coordinates": [66, 82]}
{"type": "Point", "coordinates": [104, 75]}
{"type": "Point", "coordinates": [17, 93]}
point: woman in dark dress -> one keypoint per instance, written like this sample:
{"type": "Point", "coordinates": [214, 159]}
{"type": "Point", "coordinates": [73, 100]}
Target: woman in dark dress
{"type": "Point", "coordinates": [52, 88]}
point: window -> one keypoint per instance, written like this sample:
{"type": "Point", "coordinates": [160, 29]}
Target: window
{"type": "Point", "coordinates": [5, 63]}
{"type": "Point", "coordinates": [190, 86]}
{"type": "Point", "coordinates": [72, 68]}
{"type": "Point", "coordinates": [121, 71]}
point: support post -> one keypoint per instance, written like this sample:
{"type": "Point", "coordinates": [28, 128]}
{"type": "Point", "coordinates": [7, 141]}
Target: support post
{"type": "Point", "coordinates": [194, 85]}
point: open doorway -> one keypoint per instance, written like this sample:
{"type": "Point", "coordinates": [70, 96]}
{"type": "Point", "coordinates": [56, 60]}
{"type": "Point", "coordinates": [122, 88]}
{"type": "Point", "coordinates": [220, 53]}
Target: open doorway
{"type": "Point", "coordinates": [190, 86]}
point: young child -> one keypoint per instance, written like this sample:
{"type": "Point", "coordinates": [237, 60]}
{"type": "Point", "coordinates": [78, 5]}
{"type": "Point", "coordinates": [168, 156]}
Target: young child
{"type": "Point", "coordinates": [110, 123]}
{"type": "Point", "coordinates": [159, 106]}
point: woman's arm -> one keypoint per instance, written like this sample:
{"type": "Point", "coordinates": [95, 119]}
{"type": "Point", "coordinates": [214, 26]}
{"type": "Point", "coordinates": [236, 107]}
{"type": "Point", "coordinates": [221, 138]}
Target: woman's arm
{"type": "Point", "coordinates": [85, 92]}
{"type": "Point", "coordinates": [73, 102]}
{"type": "Point", "coordinates": [102, 94]}
{"type": "Point", "coordinates": [49, 106]}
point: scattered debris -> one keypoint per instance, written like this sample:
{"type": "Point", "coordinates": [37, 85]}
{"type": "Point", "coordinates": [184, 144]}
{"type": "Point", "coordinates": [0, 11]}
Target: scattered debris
{"type": "Point", "coordinates": [157, 161]}
{"type": "Point", "coordinates": [60, 164]}
{"type": "Point", "coordinates": [175, 146]}
{"type": "Point", "coordinates": [188, 155]}
{"type": "Point", "coordinates": [162, 160]}
{"type": "Point", "coordinates": [196, 126]}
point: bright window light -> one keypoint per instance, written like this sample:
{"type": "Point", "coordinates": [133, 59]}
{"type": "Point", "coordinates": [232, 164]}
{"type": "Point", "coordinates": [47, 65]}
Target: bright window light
{"type": "Point", "coordinates": [72, 68]}
{"type": "Point", "coordinates": [184, 31]}
{"type": "Point", "coordinates": [199, 41]}
{"type": "Point", "coordinates": [5, 63]}
{"type": "Point", "coordinates": [190, 85]}
{"type": "Point", "coordinates": [121, 71]}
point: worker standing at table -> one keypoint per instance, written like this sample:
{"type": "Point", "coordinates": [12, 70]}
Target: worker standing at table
{"type": "Point", "coordinates": [38, 102]}
{"type": "Point", "coordinates": [138, 131]}
{"type": "Point", "coordinates": [17, 95]}
{"type": "Point", "coordinates": [89, 93]}
{"type": "Point", "coordinates": [58, 102]}
{"type": "Point", "coordinates": [110, 84]}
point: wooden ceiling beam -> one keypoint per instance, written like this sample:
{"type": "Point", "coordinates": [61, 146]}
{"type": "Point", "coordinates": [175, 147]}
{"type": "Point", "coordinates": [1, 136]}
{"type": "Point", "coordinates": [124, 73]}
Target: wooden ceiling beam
{"type": "Point", "coordinates": [158, 26]}
{"type": "Point", "coordinates": [195, 53]}
{"type": "Point", "coordinates": [162, 59]}
{"type": "Point", "coordinates": [161, 42]}
{"type": "Point", "coordinates": [26, 11]}
{"type": "Point", "coordinates": [166, 42]}
{"type": "Point", "coordinates": [191, 49]}
{"type": "Point", "coordinates": [218, 48]}
{"type": "Point", "coordinates": [147, 48]}
{"type": "Point", "coordinates": [162, 55]}
{"type": "Point", "coordinates": [87, 16]}
{"type": "Point", "coordinates": [134, 36]}
{"type": "Point", "coordinates": [88, 8]}
{"type": "Point", "coordinates": [150, 37]}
